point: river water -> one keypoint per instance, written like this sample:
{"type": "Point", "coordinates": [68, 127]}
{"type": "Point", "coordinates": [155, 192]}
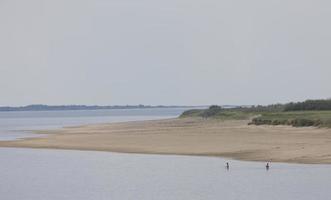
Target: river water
{"type": "Point", "coordinates": [36, 174]}
{"type": "Point", "coordinates": [16, 125]}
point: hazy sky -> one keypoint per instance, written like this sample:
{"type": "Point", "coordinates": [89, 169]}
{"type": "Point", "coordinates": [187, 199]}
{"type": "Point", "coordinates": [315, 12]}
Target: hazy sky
{"type": "Point", "coordinates": [183, 52]}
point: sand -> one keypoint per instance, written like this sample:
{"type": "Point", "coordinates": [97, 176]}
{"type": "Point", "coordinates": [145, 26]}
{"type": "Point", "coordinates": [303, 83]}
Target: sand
{"type": "Point", "coordinates": [193, 136]}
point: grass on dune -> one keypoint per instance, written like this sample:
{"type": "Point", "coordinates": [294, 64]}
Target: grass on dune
{"type": "Point", "coordinates": [222, 115]}
{"type": "Point", "coordinates": [295, 118]}
{"type": "Point", "coordinates": [292, 118]}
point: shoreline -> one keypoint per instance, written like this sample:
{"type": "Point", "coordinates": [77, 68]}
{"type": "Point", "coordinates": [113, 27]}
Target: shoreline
{"type": "Point", "coordinates": [192, 137]}
{"type": "Point", "coordinates": [166, 154]}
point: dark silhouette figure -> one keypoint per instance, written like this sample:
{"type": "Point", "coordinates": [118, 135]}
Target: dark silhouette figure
{"type": "Point", "coordinates": [227, 166]}
{"type": "Point", "coordinates": [267, 166]}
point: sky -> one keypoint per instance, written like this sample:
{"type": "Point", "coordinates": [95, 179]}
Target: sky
{"type": "Point", "coordinates": [173, 52]}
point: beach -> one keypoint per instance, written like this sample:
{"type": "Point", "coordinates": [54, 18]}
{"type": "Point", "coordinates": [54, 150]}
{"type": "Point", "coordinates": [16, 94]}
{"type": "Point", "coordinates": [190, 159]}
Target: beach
{"type": "Point", "coordinates": [192, 136]}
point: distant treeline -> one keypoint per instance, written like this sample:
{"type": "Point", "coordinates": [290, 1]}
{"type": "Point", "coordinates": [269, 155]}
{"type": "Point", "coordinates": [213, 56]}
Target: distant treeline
{"type": "Point", "coordinates": [218, 111]}
{"type": "Point", "coordinates": [323, 104]}
{"type": "Point", "coordinates": [76, 107]}
{"type": "Point", "coordinates": [260, 108]}
{"type": "Point", "coordinates": [320, 104]}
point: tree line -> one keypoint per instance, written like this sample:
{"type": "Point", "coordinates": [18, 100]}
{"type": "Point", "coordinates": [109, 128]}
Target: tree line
{"type": "Point", "coordinates": [322, 104]}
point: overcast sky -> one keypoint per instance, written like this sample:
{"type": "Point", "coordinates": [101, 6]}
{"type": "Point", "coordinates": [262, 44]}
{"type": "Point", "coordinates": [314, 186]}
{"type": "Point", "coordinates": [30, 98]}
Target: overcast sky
{"type": "Point", "coordinates": [183, 52]}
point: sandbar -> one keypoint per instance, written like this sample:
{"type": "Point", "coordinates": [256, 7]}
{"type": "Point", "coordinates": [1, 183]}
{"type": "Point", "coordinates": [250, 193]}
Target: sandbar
{"type": "Point", "coordinates": [193, 136]}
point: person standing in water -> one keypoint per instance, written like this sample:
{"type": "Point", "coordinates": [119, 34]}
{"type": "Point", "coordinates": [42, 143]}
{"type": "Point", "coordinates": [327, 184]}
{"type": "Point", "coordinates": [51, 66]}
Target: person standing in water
{"type": "Point", "coordinates": [227, 166]}
{"type": "Point", "coordinates": [267, 166]}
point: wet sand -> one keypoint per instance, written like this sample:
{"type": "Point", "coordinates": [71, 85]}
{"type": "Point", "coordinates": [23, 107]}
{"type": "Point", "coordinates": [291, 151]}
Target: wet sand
{"type": "Point", "coordinates": [233, 139]}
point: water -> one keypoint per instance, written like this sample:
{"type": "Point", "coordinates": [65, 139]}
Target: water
{"type": "Point", "coordinates": [15, 125]}
{"type": "Point", "coordinates": [35, 174]}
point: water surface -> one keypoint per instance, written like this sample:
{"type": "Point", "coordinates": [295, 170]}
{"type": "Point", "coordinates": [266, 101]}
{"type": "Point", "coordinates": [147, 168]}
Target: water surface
{"type": "Point", "coordinates": [15, 125]}
{"type": "Point", "coordinates": [36, 174]}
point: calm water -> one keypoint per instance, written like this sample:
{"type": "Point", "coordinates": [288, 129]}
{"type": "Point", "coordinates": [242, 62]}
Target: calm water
{"type": "Point", "coordinates": [15, 125]}
{"type": "Point", "coordinates": [35, 174]}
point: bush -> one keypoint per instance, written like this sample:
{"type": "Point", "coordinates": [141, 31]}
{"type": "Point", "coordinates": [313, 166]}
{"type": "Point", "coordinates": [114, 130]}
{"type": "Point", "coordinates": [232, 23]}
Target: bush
{"type": "Point", "coordinates": [212, 111]}
{"type": "Point", "coordinates": [303, 122]}
{"type": "Point", "coordinates": [297, 122]}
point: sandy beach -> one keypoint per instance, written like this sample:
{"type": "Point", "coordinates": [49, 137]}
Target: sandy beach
{"type": "Point", "coordinates": [193, 136]}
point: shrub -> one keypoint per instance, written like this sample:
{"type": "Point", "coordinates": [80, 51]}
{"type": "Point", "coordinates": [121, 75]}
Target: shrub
{"type": "Point", "coordinates": [303, 122]}
{"type": "Point", "coordinates": [212, 111]}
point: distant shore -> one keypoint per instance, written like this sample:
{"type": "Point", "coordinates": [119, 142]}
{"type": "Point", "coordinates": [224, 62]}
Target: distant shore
{"type": "Point", "coordinates": [193, 136]}
{"type": "Point", "coordinates": [41, 107]}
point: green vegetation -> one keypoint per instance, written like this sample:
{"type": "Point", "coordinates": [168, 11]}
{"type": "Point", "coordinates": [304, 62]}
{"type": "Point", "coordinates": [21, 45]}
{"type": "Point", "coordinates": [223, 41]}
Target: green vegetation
{"type": "Point", "coordinates": [217, 112]}
{"type": "Point", "coordinates": [295, 118]}
{"type": "Point", "coordinates": [322, 104]}
{"type": "Point", "coordinates": [307, 113]}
